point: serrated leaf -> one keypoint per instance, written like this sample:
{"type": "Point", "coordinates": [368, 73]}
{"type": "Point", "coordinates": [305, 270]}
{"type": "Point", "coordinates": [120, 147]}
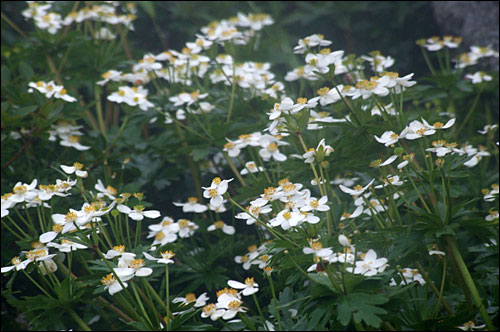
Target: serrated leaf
{"type": "Point", "coordinates": [362, 307]}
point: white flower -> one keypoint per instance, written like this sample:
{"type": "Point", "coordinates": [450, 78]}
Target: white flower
{"type": "Point", "coordinates": [416, 129]}
{"type": "Point", "coordinates": [73, 142]}
{"type": "Point", "coordinates": [318, 250]}
{"type": "Point", "coordinates": [487, 128]}
{"type": "Point", "coordinates": [344, 241]}
{"type": "Point", "coordinates": [270, 149]}
{"type": "Point", "coordinates": [248, 288]}
{"type": "Point", "coordinates": [186, 228]}
{"type": "Point", "coordinates": [23, 192]}
{"type": "Point", "coordinates": [254, 21]}
{"type": "Point", "coordinates": [110, 75]}
{"type": "Point", "coordinates": [309, 42]}
{"type": "Point", "coordinates": [370, 264]}
{"type": "Point", "coordinates": [108, 191]}
{"type": "Point", "coordinates": [251, 167]}
{"type": "Point", "coordinates": [232, 149]}
{"type": "Point", "coordinates": [16, 264]}
{"type": "Point", "coordinates": [287, 219]}
{"type": "Point", "coordinates": [313, 204]}
{"type": "Point", "coordinates": [478, 77]}
{"type": "Point", "coordinates": [253, 211]}
{"type": "Point", "coordinates": [192, 205]}
{"type": "Point", "coordinates": [357, 190]}
{"type": "Point", "coordinates": [378, 62]}
{"type": "Point", "coordinates": [231, 305]}
{"type": "Point", "coordinates": [138, 212]}
{"type": "Point", "coordinates": [221, 225]}
{"type": "Point", "coordinates": [66, 245]}
{"type": "Point", "coordinates": [112, 284]}
{"type": "Point", "coordinates": [211, 311]}
{"type": "Point", "coordinates": [76, 168]}
{"type": "Point", "coordinates": [355, 214]}
{"type": "Point", "coordinates": [118, 251]}
{"type": "Point", "coordinates": [166, 257]}
{"type": "Point", "coordinates": [388, 138]}
{"type": "Point", "coordinates": [199, 301]}
{"type": "Point", "coordinates": [217, 188]}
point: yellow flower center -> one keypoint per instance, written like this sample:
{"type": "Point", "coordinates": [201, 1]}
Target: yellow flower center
{"type": "Point", "coordinates": [120, 248]}
{"type": "Point", "coordinates": [264, 258]}
{"type": "Point", "coordinates": [252, 248]}
{"type": "Point", "coordinates": [16, 261]}
{"type": "Point", "coordinates": [209, 309]}
{"type": "Point", "coordinates": [57, 228]}
{"type": "Point", "coordinates": [216, 181]}
{"type": "Point", "coordinates": [249, 282]}
{"type": "Point", "coordinates": [234, 305]}
{"type": "Point", "coordinates": [289, 187]}
{"type": "Point", "coordinates": [20, 189]}
{"type": "Point", "coordinates": [159, 236]}
{"type": "Point", "coordinates": [244, 258]}
{"type": "Point", "coordinates": [167, 254]}
{"type": "Point", "coordinates": [112, 191]}
{"type": "Point", "coordinates": [229, 145]}
{"type": "Point", "coordinates": [272, 147]}
{"type": "Point", "coordinates": [183, 223]}
{"type": "Point", "coordinates": [323, 91]}
{"type": "Point", "coordinates": [213, 193]}
{"type": "Point", "coordinates": [314, 203]}
{"type": "Point", "coordinates": [316, 246]}
{"type": "Point", "coordinates": [70, 217]}
{"type": "Point", "coordinates": [287, 215]}
{"type": "Point", "coordinates": [190, 297]}
{"type": "Point", "coordinates": [137, 263]}
{"type": "Point", "coordinates": [219, 224]}
{"type": "Point", "coordinates": [358, 187]}
{"type": "Point", "coordinates": [438, 125]}
{"type": "Point", "coordinates": [139, 208]}
{"type": "Point", "coordinates": [109, 279]}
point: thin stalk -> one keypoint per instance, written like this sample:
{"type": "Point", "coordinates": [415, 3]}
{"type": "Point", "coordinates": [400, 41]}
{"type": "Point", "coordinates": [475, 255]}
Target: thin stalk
{"type": "Point", "coordinates": [37, 285]}
{"type": "Point", "coordinates": [98, 106]}
{"type": "Point", "coordinates": [260, 311]}
{"type": "Point", "coordinates": [440, 297]}
{"type": "Point", "coordinates": [469, 113]}
{"type": "Point", "coordinates": [428, 61]}
{"type": "Point", "coordinates": [277, 313]}
{"type": "Point", "coordinates": [167, 298]}
{"type": "Point", "coordinates": [141, 306]}
{"type": "Point", "coordinates": [77, 318]}
{"type": "Point", "coordinates": [233, 91]}
{"type": "Point", "coordinates": [233, 168]}
{"type": "Point", "coordinates": [469, 282]}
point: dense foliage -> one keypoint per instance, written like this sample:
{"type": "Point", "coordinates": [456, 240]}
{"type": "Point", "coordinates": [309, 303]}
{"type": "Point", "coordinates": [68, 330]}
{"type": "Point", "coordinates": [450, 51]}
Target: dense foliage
{"type": "Point", "coordinates": [243, 180]}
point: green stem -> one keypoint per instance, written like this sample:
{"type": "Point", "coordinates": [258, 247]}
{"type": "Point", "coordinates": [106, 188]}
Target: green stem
{"type": "Point", "coordinates": [469, 282]}
{"type": "Point", "coordinates": [469, 114]}
{"type": "Point", "coordinates": [260, 311]}
{"type": "Point", "coordinates": [80, 322]}
{"type": "Point", "coordinates": [233, 90]}
{"type": "Point", "coordinates": [277, 313]}
{"type": "Point", "coordinates": [37, 285]}
{"type": "Point", "coordinates": [98, 106]}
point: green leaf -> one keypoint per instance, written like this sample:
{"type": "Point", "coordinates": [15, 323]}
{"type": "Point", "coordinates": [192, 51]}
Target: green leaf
{"type": "Point", "coordinates": [148, 7]}
{"type": "Point", "coordinates": [362, 307]}
{"type": "Point", "coordinates": [324, 281]}
{"type": "Point", "coordinates": [199, 154]}
{"type": "Point", "coordinates": [25, 110]}
{"type": "Point", "coordinates": [26, 70]}
{"type": "Point", "coordinates": [5, 75]}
